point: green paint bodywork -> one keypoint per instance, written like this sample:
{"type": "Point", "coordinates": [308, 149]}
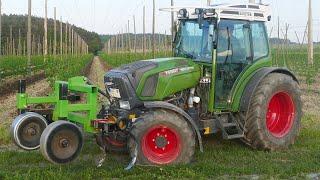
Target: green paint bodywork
{"type": "Point", "coordinates": [78, 113]}
{"type": "Point", "coordinates": [243, 80]}
{"type": "Point", "coordinates": [176, 82]}
{"type": "Point", "coordinates": [186, 74]}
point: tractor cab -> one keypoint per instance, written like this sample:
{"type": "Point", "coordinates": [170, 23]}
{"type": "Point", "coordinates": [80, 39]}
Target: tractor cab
{"type": "Point", "coordinates": [225, 40]}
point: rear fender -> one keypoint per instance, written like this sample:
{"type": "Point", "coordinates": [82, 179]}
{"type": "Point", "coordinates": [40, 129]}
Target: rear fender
{"type": "Point", "coordinates": [255, 81]}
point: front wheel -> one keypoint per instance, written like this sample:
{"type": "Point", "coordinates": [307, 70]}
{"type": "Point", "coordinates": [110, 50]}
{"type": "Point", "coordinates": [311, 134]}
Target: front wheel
{"type": "Point", "coordinates": [273, 120]}
{"type": "Point", "coordinates": [162, 137]}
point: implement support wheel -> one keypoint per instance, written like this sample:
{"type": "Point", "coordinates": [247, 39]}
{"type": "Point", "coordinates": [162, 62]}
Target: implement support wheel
{"type": "Point", "coordinates": [26, 130]}
{"type": "Point", "coordinates": [61, 142]}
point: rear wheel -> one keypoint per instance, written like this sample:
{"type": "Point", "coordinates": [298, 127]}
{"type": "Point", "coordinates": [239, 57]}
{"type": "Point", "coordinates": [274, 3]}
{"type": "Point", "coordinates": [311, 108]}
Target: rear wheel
{"type": "Point", "coordinates": [163, 137]}
{"type": "Point", "coordinates": [273, 120]}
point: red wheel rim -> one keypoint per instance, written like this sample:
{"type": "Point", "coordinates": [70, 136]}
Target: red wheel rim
{"type": "Point", "coordinates": [161, 144]}
{"type": "Point", "coordinates": [280, 114]}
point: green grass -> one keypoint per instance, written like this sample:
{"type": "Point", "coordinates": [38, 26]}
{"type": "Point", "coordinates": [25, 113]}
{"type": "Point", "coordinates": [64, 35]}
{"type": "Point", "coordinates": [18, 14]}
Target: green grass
{"type": "Point", "coordinates": [55, 68]}
{"type": "Point", "coordinates": [222, 158]}
{"type": "Point", "coordinates": [118, 59]}
{"type": "Point", "coordinates": [67, 68]}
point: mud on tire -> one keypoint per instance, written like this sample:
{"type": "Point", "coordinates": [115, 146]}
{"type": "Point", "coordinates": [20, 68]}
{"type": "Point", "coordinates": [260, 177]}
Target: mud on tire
{"type": "Point", "coordinates": [273, 118]}
{"type": "Point", "coordinates": [163, 137]}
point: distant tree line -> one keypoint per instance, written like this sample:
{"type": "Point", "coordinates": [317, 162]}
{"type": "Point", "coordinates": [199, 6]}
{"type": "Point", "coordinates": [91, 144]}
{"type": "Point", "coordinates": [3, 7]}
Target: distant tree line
{"type": "Point", "coordinates": [13, 24]}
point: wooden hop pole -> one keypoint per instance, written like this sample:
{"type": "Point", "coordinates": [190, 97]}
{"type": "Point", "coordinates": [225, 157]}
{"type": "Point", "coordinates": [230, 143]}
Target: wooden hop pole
{"type": "Point", "coordinates": [70, 39]}
{"type": "Point", "coordinates": [45, 30]}
{"type": "Point", "coordinates": [0, 27]}
{"type": "Point", "coordinates": [135, 34]}
{"type": "Point", "coordinates": [310, 35]}
{"type": "Point", "coordinates": [55, 33]}
{"type": "Point", "coordinates": [154, 29]}
{"type": "Point", "coordinates": [172, 25]}
{"type": "Point", "coordinates": [129, 39]}
{"type": "Point", "coordinates": [66, 39]}
{"type": "Point", "coordinates": [72, 42]}
{"type": "Point", "coordinates": [19, 43]}
{"type": "Point", "coordinates": [11, 44]}
{"type": "Point", "coordinates": [61, 34]}
{"type": "Point", "coordinates": [144, 30]}
{"type": "Point", "coordinates": [29, 37]}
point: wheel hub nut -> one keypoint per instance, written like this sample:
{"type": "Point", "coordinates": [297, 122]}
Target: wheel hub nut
{"type": "Point", "coordinates": [31, 131]}
{"type": "Point", "coordinates": [161, 141]}
{"type": "Point", "coordinates": [64, 143]}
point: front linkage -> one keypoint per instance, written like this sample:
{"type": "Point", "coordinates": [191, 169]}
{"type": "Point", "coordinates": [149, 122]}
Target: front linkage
{"type": "Point", "coordinates": [52, 123]}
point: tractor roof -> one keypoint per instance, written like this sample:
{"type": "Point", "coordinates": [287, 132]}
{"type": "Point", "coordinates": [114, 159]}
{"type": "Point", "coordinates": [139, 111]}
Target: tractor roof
{"type": "Point", "coordinates": [251, 12]}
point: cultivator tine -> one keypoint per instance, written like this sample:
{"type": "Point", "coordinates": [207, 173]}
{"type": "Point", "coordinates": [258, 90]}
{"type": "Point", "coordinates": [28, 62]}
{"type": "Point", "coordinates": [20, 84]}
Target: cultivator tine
{"type": "Point", "coordinates": [135, 154]}
{"type": "Point", "coordinates": [102, 146]}
{"type": "Point", "coordinates": [101, 161]}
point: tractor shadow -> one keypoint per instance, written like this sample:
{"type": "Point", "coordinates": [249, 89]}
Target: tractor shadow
{"type": "Point", "coordinates": [92, 153]}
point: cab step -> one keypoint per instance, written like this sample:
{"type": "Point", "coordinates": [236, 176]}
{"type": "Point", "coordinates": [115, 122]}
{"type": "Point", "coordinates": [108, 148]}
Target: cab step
{"type": "Point", "coordinates": [230, 129]}
{"type": "Point", "coordinates": [235, 136]}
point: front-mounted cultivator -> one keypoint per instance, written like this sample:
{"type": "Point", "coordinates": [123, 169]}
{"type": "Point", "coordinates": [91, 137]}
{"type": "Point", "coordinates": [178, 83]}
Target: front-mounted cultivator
{"type": "Point", "coordinates": [56, 123]}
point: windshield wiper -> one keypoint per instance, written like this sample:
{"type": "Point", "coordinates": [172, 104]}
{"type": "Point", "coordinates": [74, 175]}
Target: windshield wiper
{"type": "Point", "coordinates": [189, 55]}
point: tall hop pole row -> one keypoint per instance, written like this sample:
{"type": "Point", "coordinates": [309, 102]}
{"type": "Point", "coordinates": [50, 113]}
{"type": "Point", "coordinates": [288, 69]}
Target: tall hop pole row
{"type": "Point", "coordinates": [133, 42]}
{"type": "Point", "coordinates": [36, 45]}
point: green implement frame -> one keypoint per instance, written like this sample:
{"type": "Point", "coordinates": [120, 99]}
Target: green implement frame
{"type": "Point", "coordinates": [81, 113]}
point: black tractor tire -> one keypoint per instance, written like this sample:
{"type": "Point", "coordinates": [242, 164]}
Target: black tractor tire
{"type": "Point", "coordinates": [151, 136]}
{"type": "Point", "coordinates": [273, 118]}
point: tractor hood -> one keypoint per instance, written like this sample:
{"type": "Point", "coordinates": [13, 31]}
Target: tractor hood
{"type": "Point", "coordinates": [155, 79]}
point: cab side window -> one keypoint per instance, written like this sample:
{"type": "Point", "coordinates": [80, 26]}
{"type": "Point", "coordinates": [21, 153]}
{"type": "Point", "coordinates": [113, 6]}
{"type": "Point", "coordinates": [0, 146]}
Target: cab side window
{"type": "Point", "coordinates": [259, 40]}
{"type": "Point", "coordinates": [233, 42]}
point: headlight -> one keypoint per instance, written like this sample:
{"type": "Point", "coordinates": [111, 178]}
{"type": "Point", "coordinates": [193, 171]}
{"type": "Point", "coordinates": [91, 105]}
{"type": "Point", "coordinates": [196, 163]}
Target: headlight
{"type": "Point", "coordinates": [124, 105]}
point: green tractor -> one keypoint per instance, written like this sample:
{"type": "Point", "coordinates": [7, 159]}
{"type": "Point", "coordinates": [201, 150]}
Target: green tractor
{"type": "Point", "coordinates": [221, 79]}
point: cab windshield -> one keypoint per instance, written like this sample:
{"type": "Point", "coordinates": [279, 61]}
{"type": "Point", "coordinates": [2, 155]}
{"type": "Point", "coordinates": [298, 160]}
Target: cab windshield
{"type": "Point", "coordinates": [195, 42]}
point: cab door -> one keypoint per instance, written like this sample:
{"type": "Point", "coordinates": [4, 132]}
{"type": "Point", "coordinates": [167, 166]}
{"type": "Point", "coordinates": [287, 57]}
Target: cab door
{"type": "Point", "coordinates": [234, 54]}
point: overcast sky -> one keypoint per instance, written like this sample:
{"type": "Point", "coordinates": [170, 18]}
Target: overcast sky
{"type": "Point", "coordinates": [111, 16]}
